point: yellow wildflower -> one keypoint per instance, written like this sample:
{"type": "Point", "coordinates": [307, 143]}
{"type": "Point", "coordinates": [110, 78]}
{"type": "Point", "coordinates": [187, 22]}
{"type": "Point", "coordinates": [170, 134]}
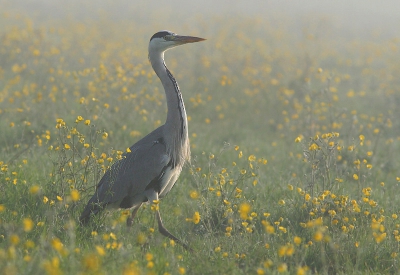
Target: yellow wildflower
{"type": "Point", "coordinates": [28, 224]}
{"type": "Point", "coordinates": [244, 210]}
{"type": "Point", "coordinates": [75, 195]}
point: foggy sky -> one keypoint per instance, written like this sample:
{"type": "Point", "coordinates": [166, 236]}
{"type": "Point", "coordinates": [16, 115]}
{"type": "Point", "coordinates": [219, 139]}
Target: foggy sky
{"type": "Point", "coordinates": [360, 16]}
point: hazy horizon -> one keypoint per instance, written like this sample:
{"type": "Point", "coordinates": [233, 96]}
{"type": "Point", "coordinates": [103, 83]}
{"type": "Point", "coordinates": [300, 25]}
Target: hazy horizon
{"type": "Point", "coordinates": [356, 17]}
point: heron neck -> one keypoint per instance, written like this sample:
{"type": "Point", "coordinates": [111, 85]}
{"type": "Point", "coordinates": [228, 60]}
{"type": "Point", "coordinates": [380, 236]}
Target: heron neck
{"type": "Point", "coordinates": [176, 126]}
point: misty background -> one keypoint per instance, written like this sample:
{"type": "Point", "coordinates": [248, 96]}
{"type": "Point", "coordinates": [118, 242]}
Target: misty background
{"type": "Point", "coordinates": [356, 18]}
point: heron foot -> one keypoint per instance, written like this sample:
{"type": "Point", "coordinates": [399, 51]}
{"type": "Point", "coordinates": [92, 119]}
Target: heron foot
{"type": "Point", "coordinates": [167, 234]}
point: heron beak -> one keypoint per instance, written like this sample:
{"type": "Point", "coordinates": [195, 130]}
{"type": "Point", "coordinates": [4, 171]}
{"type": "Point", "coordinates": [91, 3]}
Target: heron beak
{"type": "Point", "coordinates": [180, 39]}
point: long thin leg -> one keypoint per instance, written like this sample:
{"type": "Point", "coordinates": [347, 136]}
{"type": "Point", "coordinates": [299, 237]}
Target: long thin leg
{"type": "Point", "coordinates": [166, 233]}
{"type": "Point", "coordinates": [129, 220]}
{"type": "Point", "coordinates": [152, 195]}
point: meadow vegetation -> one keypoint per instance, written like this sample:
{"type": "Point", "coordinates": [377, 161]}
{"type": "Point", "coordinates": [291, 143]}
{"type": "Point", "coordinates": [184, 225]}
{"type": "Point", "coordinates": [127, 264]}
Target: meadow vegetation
{"type": "Point", "coordinates": [294, 139]}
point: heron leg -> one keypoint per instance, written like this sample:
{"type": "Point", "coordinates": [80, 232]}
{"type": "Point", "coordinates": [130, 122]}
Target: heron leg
{"type": "Point", "coordinates": [152, 196]}
{"type": "Point", "coordinates": [166, 233]}
{"type": "Point", "coordinates": [129, 220]}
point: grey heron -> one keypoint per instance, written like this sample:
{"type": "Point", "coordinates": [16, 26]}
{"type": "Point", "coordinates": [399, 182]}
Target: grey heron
{"type": "Point", "coordinates": [154, 163]}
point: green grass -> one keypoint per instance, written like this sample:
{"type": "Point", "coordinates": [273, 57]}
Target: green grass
{"type": "Point", "coordinates": [280, 176]}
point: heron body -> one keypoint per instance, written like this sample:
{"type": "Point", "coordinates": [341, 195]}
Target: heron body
{"type": "Point", "coordinates": [154, 163]}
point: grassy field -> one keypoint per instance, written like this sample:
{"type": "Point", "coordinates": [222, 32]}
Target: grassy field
{"type": "Point", "coordinates": [294, 137]}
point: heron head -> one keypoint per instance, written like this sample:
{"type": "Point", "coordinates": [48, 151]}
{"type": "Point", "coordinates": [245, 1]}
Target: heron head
{"type": "Point", "coordinates": [164, 40]}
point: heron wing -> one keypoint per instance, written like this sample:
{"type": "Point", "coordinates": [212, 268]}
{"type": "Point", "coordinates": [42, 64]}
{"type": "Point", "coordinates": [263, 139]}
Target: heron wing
{"type": "Point", "coordinates": [128, 178]}
{"type": "Point", "coordinates": [132, 175]}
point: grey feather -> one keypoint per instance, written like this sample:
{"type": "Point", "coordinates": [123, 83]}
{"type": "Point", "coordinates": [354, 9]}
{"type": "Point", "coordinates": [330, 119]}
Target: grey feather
{"type": "Point", "coordinates": [128, 178]}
